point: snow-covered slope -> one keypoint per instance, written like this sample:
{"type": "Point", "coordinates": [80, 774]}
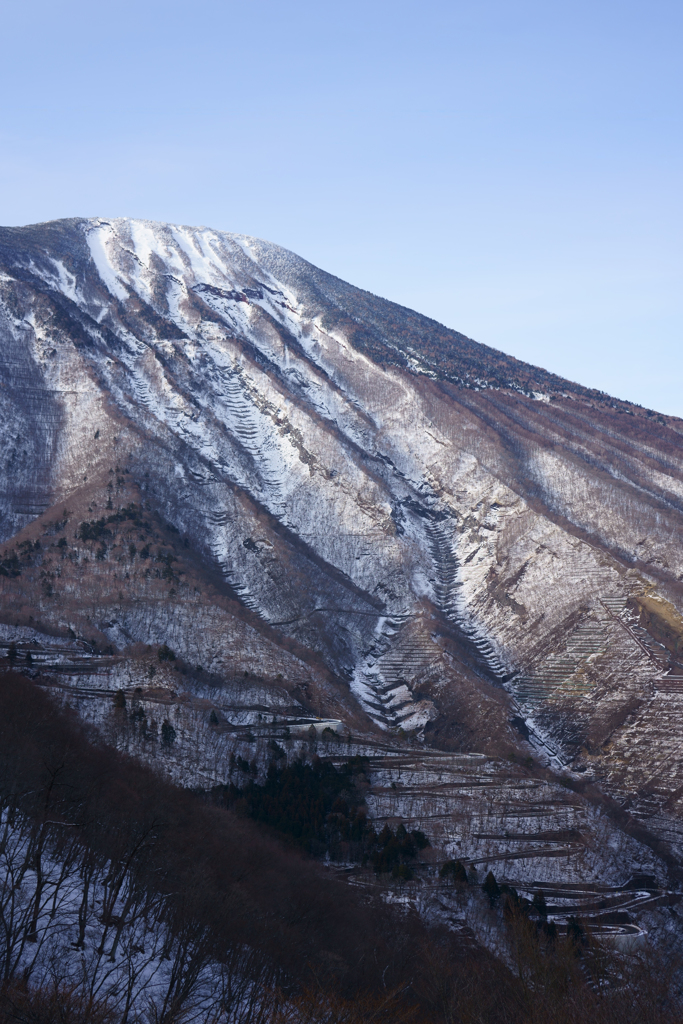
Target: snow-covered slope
{"type": "Point", "coordinates": [411, 529]}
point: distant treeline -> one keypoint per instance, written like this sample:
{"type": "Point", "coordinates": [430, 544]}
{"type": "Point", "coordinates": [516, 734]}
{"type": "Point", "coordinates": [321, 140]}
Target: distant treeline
{"type": "Point", "coordinates": [321, 808]}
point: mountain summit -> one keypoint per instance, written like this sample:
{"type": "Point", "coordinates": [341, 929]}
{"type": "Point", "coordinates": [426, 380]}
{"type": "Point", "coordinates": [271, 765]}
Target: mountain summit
{"type": "Point", "coordinates": [332, 508]}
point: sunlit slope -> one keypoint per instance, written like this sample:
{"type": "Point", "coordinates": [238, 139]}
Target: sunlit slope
{"type": "Point", "coordinates": [441, 530]}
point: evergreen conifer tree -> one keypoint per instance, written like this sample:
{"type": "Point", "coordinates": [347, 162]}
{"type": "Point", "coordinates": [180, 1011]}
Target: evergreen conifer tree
{"type": "Point", "coordinates": [491, 887]}
{"type": "Point", "coordinates": [167, 733]}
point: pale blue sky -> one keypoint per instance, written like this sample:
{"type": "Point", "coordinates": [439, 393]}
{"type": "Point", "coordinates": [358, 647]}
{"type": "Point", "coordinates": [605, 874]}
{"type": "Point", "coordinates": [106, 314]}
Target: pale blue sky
{"type": "Point", "coordinates": [510, 168]}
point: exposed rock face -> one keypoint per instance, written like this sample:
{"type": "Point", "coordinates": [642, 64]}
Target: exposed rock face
{"type": "Point", "coordinates": [398, 526]}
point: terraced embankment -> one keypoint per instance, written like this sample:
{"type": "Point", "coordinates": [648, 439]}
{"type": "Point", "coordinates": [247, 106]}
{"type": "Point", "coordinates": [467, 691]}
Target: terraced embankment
{"type": "Point", "coordinates": [490, 814]}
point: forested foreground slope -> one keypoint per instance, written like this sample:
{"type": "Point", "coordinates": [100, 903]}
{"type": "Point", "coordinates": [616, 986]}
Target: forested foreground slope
{"type": "Point", "coordinates": [125, 900]}
{"type": "Point", "coordinates": [251, 514]}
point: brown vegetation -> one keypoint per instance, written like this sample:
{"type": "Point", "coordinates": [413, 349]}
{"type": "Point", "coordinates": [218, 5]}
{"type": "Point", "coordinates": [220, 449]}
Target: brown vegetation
{"type": "Point", "coordinates": [289, 942]}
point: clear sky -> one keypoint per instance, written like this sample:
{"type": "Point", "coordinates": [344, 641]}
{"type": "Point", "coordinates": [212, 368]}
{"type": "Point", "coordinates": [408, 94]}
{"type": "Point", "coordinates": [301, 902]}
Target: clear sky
{"type": "Point", "coordinates": [511, 168]}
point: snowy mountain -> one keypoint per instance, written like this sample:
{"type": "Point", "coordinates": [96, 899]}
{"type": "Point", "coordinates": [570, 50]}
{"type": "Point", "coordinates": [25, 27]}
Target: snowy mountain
{"type": "Point", "coordinates": [331, 507]}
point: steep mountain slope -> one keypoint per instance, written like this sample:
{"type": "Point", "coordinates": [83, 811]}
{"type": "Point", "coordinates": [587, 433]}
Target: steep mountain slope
{"type": "Point", "coordinates": [275, 473]}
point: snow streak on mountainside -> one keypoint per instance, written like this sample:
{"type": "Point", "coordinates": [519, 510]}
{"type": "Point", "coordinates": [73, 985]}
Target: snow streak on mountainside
{"type": "Point", "coordinates": [402, 527]}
